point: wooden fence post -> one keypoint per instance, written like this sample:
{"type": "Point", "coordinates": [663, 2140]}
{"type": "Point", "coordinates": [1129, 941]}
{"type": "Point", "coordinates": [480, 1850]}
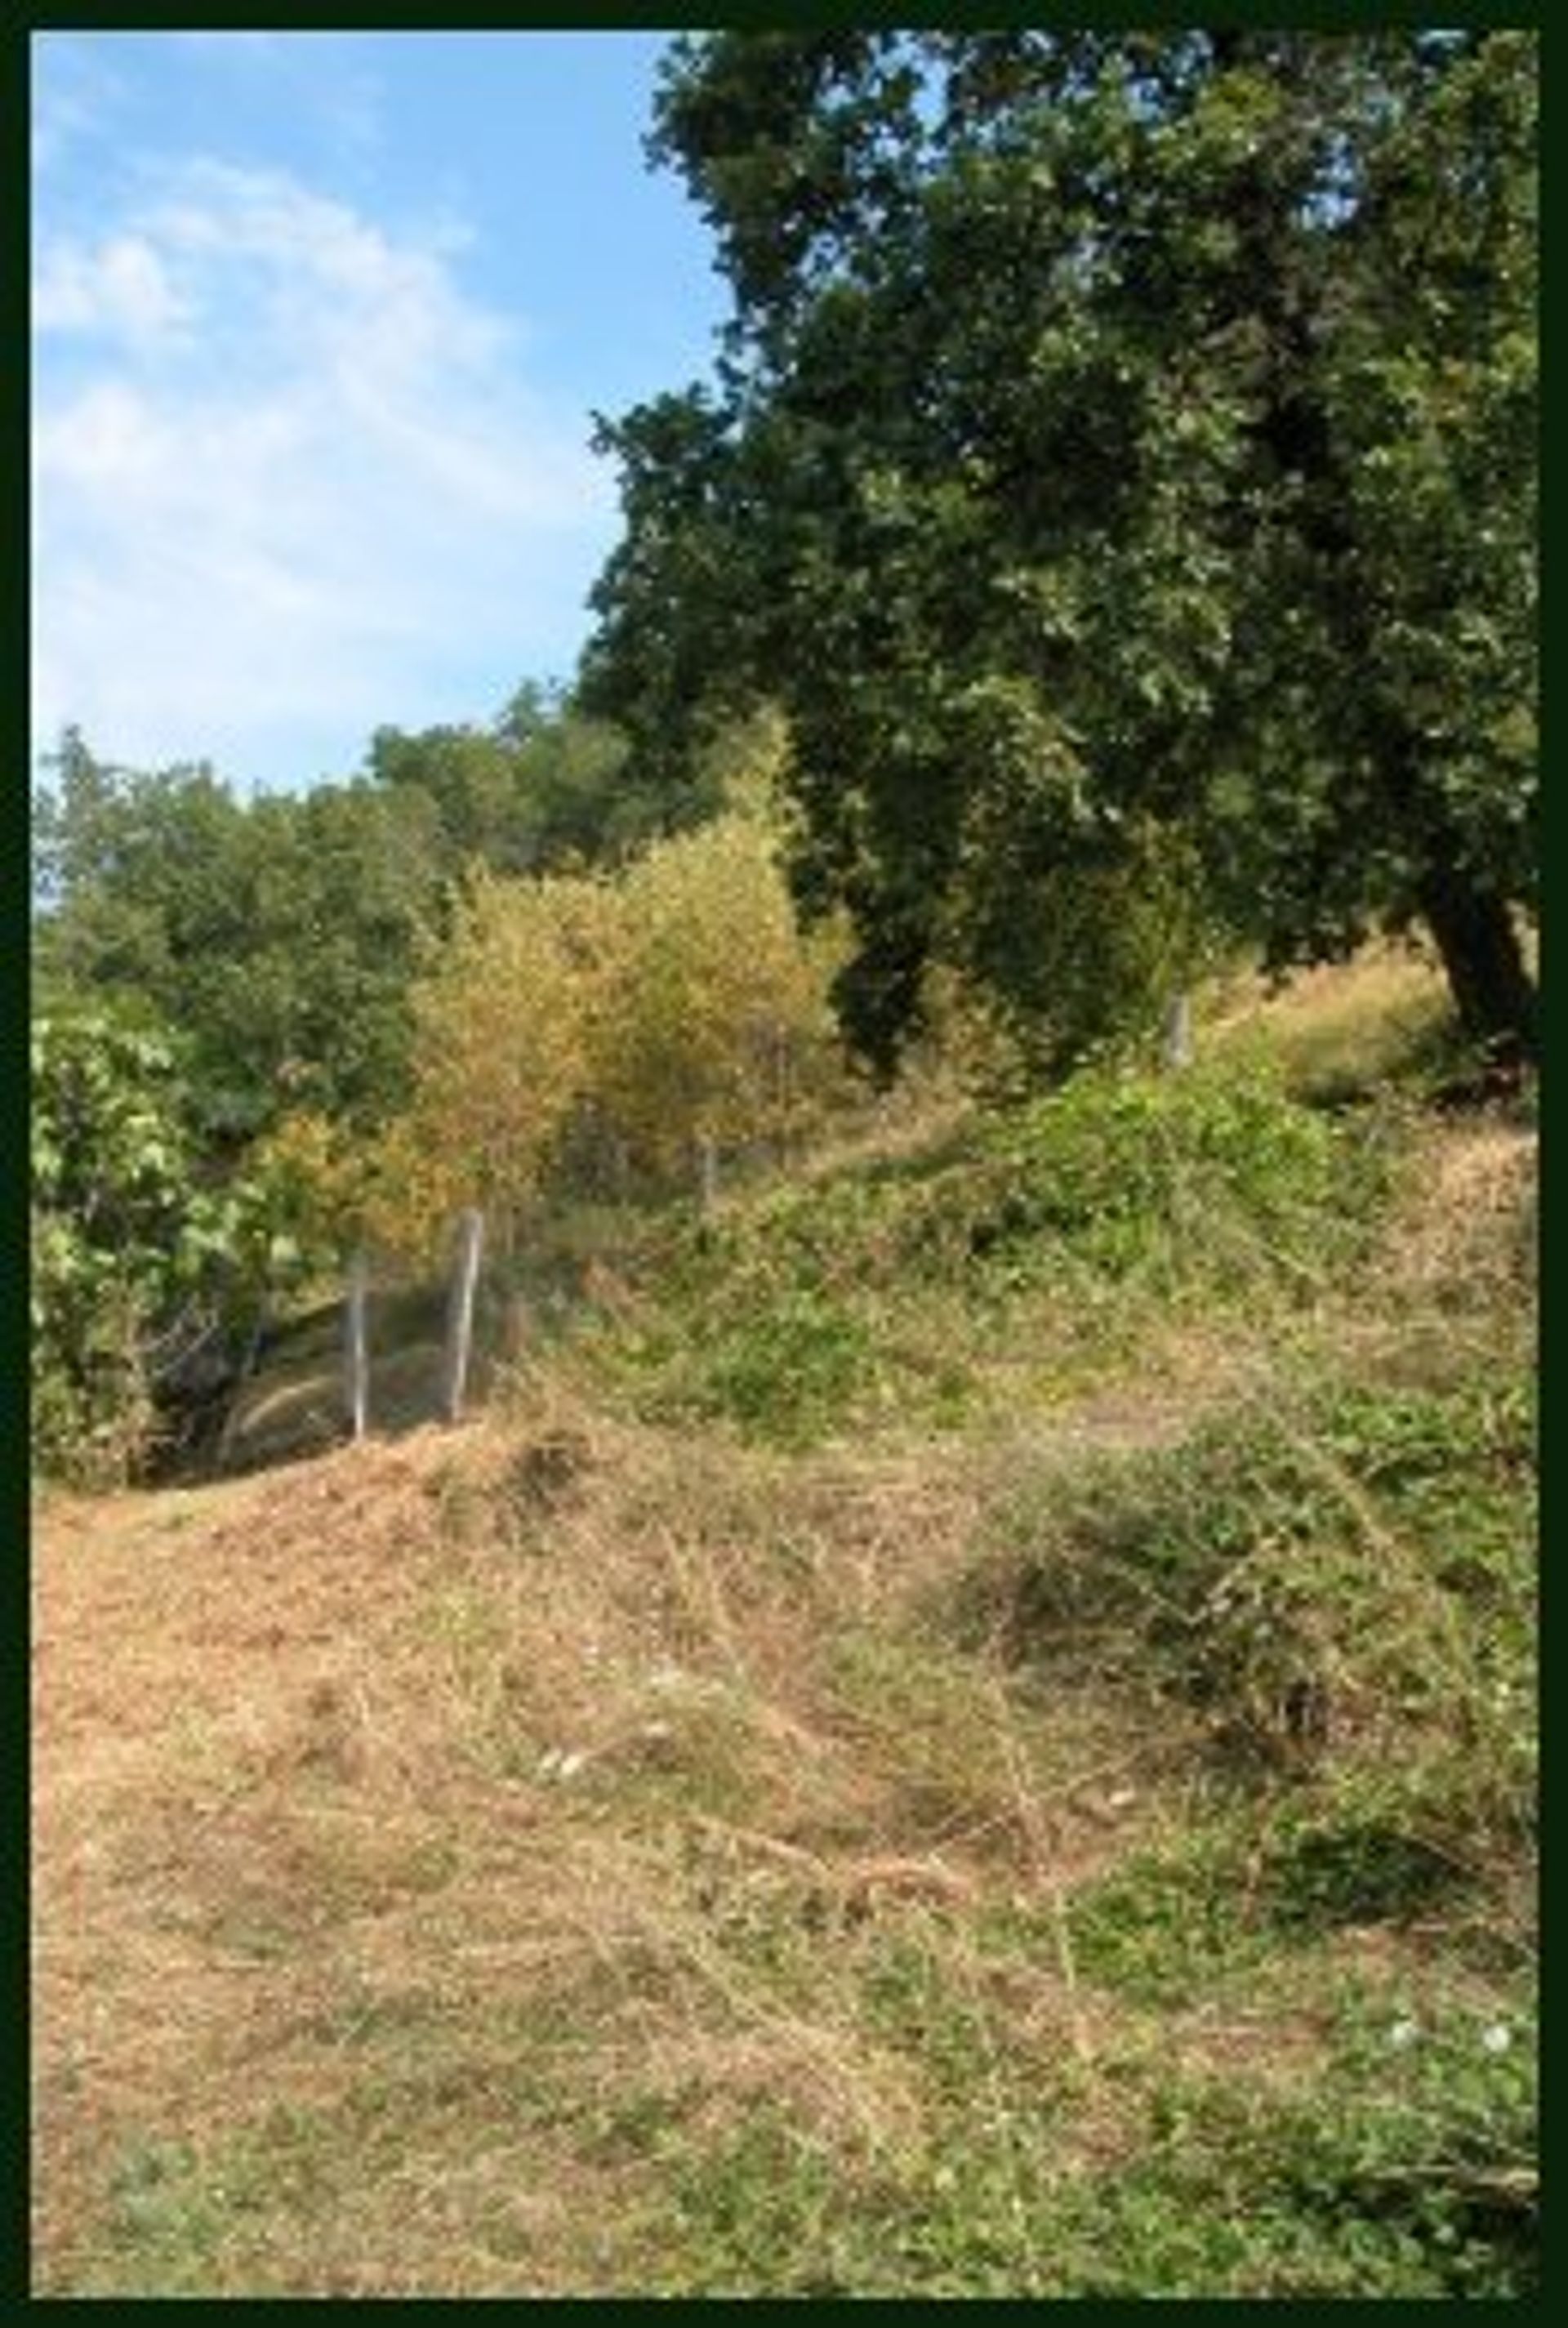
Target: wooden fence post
{"type": "Point", "coordinates": [1178, 1032]}
{"type": "Point", "coordinates": [460, 1314]}
{"type": "Point", "coordinates": [248, 1366]}
{"type": "Point", "coordinates": [708, 1157]}
{"type": "Point", "coordinates": [356, 1363]}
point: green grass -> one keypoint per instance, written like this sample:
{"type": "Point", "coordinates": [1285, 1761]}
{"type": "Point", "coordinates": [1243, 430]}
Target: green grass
{"type": "Point", "coordinates": [1049, 1241]}
{"type": "Point", "coordinates": [1401, 2163]}
{"type": "Point", "coordinates": [1406, 2172]}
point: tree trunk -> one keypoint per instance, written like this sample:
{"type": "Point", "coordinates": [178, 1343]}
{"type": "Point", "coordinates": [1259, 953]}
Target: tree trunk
{"type": "Point", "coordinates": [1485, 966]}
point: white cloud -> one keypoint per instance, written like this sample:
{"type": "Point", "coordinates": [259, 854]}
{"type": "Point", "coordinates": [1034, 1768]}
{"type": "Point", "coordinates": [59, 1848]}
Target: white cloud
{"type": "Point", "coordinates": [120, 289]}
{"type": "Point", "coordinates": [289, 479]}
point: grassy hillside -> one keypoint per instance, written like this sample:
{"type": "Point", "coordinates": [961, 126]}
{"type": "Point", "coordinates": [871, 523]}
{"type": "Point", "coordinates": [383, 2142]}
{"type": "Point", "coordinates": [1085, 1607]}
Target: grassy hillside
{"type": "Point", "coordinates": [963, 1727]}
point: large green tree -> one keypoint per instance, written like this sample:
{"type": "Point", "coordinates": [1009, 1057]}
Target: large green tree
{"type": "Point", "coordinates": [1117, 434]}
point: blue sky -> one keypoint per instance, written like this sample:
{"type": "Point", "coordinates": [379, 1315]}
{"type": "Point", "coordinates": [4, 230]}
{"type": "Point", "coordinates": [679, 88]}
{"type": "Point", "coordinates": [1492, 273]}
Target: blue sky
{"type": "Point", "coordinates": [319, 322]}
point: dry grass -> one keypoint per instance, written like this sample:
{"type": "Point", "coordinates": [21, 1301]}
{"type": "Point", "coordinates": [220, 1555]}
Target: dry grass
{"type": "Point", "coordinates": [1340, 1024]}
{"type": "Point", "coordinates": [480, 1736]}
{"type": "Point", "coordinates": [436, 1839]}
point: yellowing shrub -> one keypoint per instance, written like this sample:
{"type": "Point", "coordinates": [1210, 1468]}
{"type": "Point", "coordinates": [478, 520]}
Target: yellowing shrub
{"type": "Point", "coordinates": [714, 1023]}
{"type": "Point", "coordinates": [638, 1016]}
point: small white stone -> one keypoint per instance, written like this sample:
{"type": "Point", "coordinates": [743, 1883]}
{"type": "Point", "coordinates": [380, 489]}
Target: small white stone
{"type": "Point", "coordinates": [1497, 2037]}
{"type": "Point", "coordinates": [1403, 2034]}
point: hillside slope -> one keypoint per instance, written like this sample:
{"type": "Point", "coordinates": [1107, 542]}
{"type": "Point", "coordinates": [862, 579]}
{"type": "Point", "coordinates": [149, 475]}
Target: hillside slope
{"type": "Point", "coordinates": [1074, 1840]}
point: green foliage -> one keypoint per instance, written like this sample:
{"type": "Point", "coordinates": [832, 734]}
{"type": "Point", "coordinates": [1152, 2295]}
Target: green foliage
{"type": "Point", "coordinates": [1092, 968]}
{"type": "Point", "coordinates": [282, 933]}
{"type": "Point", "coordinates": [804, 1309]}
{"type": "Point", "coordinates": [135, 1266]}
{"type": "Point", "coordinates": [1120, 1166]}
{"type": "Point", "coordinates": [312, 1181]}
{"type": "Point", "coordinates": [540, 790]}
{"type": "Point", "coordinates": [786, 1373]}
{"type": "Point", "coordinates": [278, 933]}
{"type": "Point", "coordinates": [1407, 2174]}
{"type": "Point", "coordinates": [1354, 1870]}
{"type": "Point", "coordinates": [1125, 446]}
{"type": "Point", "coordinates": [1170, 1924]}
{"type": "Point", "coordinates": [1410, 2171]}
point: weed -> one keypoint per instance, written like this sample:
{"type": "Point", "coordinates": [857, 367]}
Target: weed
{"type": "Point", "coordinates": [804, 1311]}
{"type": "Point", "coordinates": [1171, 1921]}
{"type": "Point", "coordinates": [1407, 2172]}
{"type": "Point", "coordinates": [784, 1372]}
{"type": "Point", "coordinates": [1316, 1583]}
